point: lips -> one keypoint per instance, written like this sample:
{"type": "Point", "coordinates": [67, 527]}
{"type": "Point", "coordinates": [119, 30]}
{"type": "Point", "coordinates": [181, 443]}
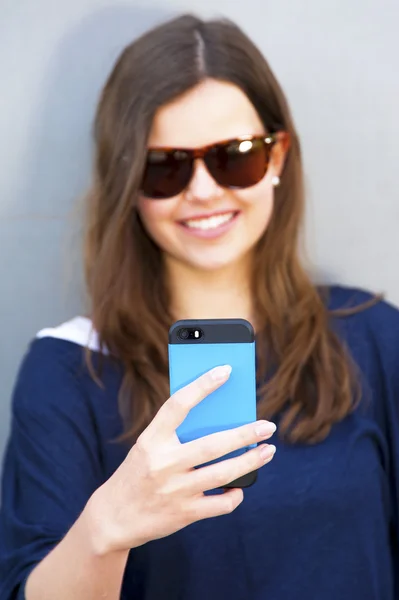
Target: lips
{"type": "Point", "coordinates": [209, 222]}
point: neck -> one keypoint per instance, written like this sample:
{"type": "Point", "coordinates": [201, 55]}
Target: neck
{"type": "Point", "coordinates": [217, 294]}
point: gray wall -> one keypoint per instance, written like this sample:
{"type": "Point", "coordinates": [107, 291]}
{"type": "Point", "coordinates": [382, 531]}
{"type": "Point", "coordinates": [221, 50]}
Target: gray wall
{"type": "Point", "coordinates": [338, 63]}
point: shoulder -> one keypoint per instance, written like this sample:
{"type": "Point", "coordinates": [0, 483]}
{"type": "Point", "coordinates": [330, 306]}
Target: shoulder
{"type": "Point", "coordinates": [57, 396]}
{"type": "Point", "coordinates": [374, 325]}
{"type": "Point", "coordinates": [53, 368]}
{"type": "Point", "coordinates": [78, 331]}
{"type": "Point", "coordinates": [373, 311]}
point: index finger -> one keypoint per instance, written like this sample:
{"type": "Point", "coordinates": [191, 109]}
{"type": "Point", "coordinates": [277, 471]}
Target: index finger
{"type": "Point", "coordinates": [176, 408]}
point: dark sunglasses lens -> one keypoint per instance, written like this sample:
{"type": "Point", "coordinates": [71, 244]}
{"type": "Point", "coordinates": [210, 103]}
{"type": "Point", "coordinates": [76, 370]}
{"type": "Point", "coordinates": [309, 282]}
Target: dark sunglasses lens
{"type": "Point", "coordinates": [166, 174]}
{"type": "Point", "coordinates": [239, 163]}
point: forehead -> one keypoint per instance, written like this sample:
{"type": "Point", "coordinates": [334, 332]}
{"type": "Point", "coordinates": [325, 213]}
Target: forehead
{"type": "Point", "coordinates": [210, 112]}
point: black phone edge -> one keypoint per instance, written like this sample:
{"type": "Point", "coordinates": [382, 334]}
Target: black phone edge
{"type": "Point", "coordinates": [216, 331]}
{"type": "Point", "coordinates": [243, 482]}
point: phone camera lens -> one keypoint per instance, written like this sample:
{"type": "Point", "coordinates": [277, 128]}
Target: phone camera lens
{"type": "Point", "coordinates": [183, 334]}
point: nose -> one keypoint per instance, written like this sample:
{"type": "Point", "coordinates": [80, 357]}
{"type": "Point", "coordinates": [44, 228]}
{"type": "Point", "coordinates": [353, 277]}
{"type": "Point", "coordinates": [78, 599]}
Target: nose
{"type": "Point", "coordinates": [202, 185]}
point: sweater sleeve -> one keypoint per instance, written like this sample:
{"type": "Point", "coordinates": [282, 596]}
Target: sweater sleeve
{"type": "Point", "coordinates": [385, 333]}
{"type": "Point", "coordinates": [52, 462]}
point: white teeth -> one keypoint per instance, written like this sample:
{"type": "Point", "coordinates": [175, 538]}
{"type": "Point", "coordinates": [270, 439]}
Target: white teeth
{"type": "Point", "coordinates": [209, 223]}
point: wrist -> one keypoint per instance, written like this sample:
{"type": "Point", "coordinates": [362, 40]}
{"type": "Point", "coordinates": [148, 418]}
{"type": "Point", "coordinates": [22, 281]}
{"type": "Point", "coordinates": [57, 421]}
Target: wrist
{"type": "Point", "coordinates": [97, 526]}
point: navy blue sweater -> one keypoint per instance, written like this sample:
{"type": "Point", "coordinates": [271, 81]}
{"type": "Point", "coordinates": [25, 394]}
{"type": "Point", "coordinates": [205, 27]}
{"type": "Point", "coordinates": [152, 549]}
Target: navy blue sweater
{"type": "Point", "coordinates": [320, 523]}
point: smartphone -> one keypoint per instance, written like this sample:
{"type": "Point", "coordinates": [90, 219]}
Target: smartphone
{"type": "Point", "coordinates": [196, 346]}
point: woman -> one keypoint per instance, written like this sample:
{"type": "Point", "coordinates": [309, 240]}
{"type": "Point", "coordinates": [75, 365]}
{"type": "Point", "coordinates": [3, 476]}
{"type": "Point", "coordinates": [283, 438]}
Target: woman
{"type": "Point", "coordinates": [194, 212]}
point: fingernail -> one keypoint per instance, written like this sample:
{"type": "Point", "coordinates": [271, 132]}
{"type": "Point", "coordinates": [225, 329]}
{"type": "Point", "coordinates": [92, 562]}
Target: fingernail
{"type": "Point", "coordinates": [265, 428]}
{"type": "Point", "coordinates": [220, 373]}
{"type": "Point", "coordinates": [267, 451]}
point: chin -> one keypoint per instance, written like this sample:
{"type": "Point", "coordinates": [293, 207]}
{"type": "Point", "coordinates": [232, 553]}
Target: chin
{"type": "Point", "coordinates": [217, 262]}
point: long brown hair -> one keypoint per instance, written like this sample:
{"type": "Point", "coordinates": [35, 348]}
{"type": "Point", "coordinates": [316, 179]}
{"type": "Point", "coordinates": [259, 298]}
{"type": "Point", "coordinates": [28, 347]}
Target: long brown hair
{"type": "Point", "coordinates": [313, 383]}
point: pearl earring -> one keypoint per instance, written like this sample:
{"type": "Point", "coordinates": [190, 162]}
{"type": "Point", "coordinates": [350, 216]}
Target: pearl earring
{"type": "Point", "coordinates": [276, 181]}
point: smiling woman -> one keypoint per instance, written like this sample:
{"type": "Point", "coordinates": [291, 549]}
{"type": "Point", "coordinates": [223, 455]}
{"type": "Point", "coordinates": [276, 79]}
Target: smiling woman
{"type": "Point", "coordinates": [194, 213]}
{"type": "Point", "coordinates": [225, 196]}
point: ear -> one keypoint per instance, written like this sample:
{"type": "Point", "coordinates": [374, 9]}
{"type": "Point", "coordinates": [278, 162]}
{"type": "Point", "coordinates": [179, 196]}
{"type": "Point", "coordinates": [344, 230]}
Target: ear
{"type": "Point", "coordinates": [280, 151]}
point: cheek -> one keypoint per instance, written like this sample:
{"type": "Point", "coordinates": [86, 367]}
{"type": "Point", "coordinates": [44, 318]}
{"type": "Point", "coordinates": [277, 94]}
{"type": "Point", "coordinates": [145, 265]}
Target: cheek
{"type": "Point", "coordinates": [258, 204]}
{"type": "Point", "coordinates": [154, 215]}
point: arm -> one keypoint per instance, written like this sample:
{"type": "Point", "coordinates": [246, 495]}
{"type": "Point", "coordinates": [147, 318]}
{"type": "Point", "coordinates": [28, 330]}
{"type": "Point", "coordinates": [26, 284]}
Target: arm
{"type": "Point", "coordinates": [75, 570]}
{"type": "Point", "coordinates": [384, 329]}
{"type": "Point", "coordinates": [67, 531]}
{"type": "Point", "coordinates": [51, 470]}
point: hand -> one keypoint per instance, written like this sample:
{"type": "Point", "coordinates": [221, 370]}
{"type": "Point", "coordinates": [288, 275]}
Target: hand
{"type": "Point", "coordinates": [157, 491]}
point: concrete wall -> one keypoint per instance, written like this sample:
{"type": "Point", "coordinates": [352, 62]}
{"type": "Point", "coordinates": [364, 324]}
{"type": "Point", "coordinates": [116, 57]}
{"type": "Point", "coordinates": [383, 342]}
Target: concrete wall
{"type": "Point", "coordinates": [337, 61]}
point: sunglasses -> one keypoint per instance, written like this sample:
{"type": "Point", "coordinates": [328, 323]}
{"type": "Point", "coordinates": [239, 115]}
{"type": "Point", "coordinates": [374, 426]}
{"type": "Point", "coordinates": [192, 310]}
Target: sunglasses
{"type": "Point", "coordinates": [234, 164]}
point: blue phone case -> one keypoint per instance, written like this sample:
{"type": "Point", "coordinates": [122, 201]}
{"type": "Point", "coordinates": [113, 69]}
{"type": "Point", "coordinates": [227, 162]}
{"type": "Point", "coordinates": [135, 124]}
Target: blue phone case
{"type": "Point", "coordinates": [224, 341]}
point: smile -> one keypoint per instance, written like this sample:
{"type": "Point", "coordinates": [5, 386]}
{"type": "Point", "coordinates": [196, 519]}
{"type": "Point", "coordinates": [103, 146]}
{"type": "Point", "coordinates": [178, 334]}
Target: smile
{"type": "Point", "coordinates": [208, 223]}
